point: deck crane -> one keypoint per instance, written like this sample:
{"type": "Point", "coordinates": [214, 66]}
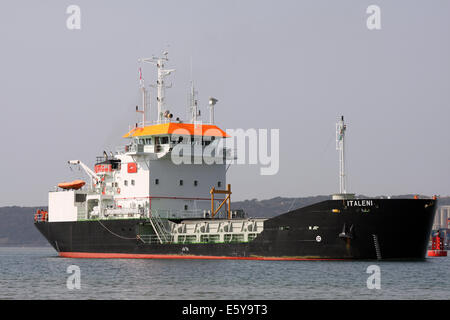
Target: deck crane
{"type": "Point", "coordinates": [88, 170]}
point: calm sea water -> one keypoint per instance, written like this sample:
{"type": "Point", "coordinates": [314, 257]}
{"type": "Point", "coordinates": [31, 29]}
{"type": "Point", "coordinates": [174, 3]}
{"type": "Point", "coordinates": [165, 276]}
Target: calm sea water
{"type": "Point", "coordinates": [38, 273]}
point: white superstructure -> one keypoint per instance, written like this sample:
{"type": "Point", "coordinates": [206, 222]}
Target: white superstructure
{"type": "Point", "coordinates": [166, 169]}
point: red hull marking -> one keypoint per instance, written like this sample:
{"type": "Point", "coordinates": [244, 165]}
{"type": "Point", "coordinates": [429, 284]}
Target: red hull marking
{"type": "Point", "coordinates": [95, 255]}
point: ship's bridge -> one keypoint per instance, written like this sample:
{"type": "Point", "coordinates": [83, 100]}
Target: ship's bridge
{"type": "Point", "coordinates": [178, 129]}
{"type": "Point", "coordinates": [159, 139]}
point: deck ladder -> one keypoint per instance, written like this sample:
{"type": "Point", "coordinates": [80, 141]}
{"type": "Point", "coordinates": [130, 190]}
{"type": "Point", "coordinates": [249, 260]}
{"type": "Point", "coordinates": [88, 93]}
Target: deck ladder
{"type": "Point", "coordinates": [377, 246]}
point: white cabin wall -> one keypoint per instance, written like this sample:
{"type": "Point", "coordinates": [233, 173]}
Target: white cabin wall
{"type": "Point", "coordinates": [174, 197]}
{"type": "Point", "coordinates": [139, 192]}
{"type": "Point", "coordinates": [169, 176]}
{"type": "Point", "coordinates": [61, 206]}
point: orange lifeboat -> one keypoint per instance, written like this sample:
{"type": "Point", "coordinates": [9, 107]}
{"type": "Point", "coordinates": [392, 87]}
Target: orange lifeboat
{"type": "Point", "coordinates": [75, 185]}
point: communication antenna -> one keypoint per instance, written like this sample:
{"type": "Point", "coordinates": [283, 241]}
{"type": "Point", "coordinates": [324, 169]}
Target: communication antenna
{"type": "Point", "coordinates": [193, 104]}
{"type": "Point", "coordinates": [144, 98]}
{"type": "Point", "coordinates": [160, 84]}
{"type": "Point", "coordinates": [341, 127]}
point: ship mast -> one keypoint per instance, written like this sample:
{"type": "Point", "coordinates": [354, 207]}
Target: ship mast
{"type": "Point", "coordinates": [193, 104]}
{"type": "Point", "coordinates": [160, 84]}
{"type": "Point", "coordinates": [340, 146]}
{"type": "Point", "coordinates": [144, 98]}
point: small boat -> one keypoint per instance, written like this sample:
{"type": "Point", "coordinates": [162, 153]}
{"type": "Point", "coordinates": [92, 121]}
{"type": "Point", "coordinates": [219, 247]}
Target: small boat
{"type": "Point", "coordinates": [75, 185]}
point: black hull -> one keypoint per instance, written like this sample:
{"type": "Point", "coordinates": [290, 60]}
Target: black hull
{"type": "Point", "coordinates": [334, 229]}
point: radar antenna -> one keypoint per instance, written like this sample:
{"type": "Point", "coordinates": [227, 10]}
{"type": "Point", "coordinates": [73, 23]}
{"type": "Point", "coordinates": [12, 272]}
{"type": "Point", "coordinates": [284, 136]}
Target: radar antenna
{"type": "Point", "coordinates": [160, 84]}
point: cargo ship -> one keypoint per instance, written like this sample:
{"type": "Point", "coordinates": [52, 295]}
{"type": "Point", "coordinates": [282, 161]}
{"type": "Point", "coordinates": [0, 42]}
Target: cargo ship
{"type": "Point", "coordinates": [164, 195]}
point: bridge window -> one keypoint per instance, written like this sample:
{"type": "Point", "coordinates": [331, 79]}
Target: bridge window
{"type": "Point", "coordinates": [125, 183]}
{"type": "Point", "coordinates": [164, 140]}
{"type": "Point", "coordinates": [195, 183]}
{"type": "Point", "coordinates": [181, 182]}
{"type": "Point", "coordinates": [156, 181]}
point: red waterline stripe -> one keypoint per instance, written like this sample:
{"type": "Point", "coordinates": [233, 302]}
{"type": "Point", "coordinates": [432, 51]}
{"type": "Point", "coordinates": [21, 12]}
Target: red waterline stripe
{"type": "Point", "coordinates": [96, 255]}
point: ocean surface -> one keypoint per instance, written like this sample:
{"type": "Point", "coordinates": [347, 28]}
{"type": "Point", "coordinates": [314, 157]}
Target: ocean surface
{"type": "Point", "coordinates": [38, 273]}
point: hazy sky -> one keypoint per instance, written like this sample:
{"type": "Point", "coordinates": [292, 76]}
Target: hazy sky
{"type": "Point", "coordinates": [291, 65]}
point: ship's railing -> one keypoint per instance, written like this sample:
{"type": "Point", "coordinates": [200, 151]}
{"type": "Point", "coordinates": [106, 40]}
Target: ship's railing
{"type": "Point", "coordinates": [219, 152]}
{"type": "Point", "coordinates": [192, 238]}
{"type": "Point", "coordinates": [168, 214]}
{"type": "Point", "coordinates": [142, 148]}
{"type": "Point", "coordinates": [121, 149]}
{"type": "Point", "coordinates": [152, 239]}
{"type": "Point", "coordinates": [141, 124]}
{"type": "Point", "coordinates": [156, 214]}
{"type": "Point", "coordinates": [142, 212]}
{"type": "Point", "coordinates": [189, 214]}
{"type": "Point", "coordinates": [130, 148]}
{"type": "Point", "coordinates": [136, 148]}
{"type": "Point", "coordinates": [124, 213]}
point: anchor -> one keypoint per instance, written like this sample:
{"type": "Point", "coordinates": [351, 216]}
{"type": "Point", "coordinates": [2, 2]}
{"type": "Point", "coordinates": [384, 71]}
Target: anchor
{"type": "Point", "coordinates": [346, 235]}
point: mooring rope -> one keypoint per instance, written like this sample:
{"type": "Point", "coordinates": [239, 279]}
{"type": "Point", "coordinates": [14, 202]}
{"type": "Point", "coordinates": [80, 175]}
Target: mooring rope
{"type": "Point", "coordinates": [115, 234]}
